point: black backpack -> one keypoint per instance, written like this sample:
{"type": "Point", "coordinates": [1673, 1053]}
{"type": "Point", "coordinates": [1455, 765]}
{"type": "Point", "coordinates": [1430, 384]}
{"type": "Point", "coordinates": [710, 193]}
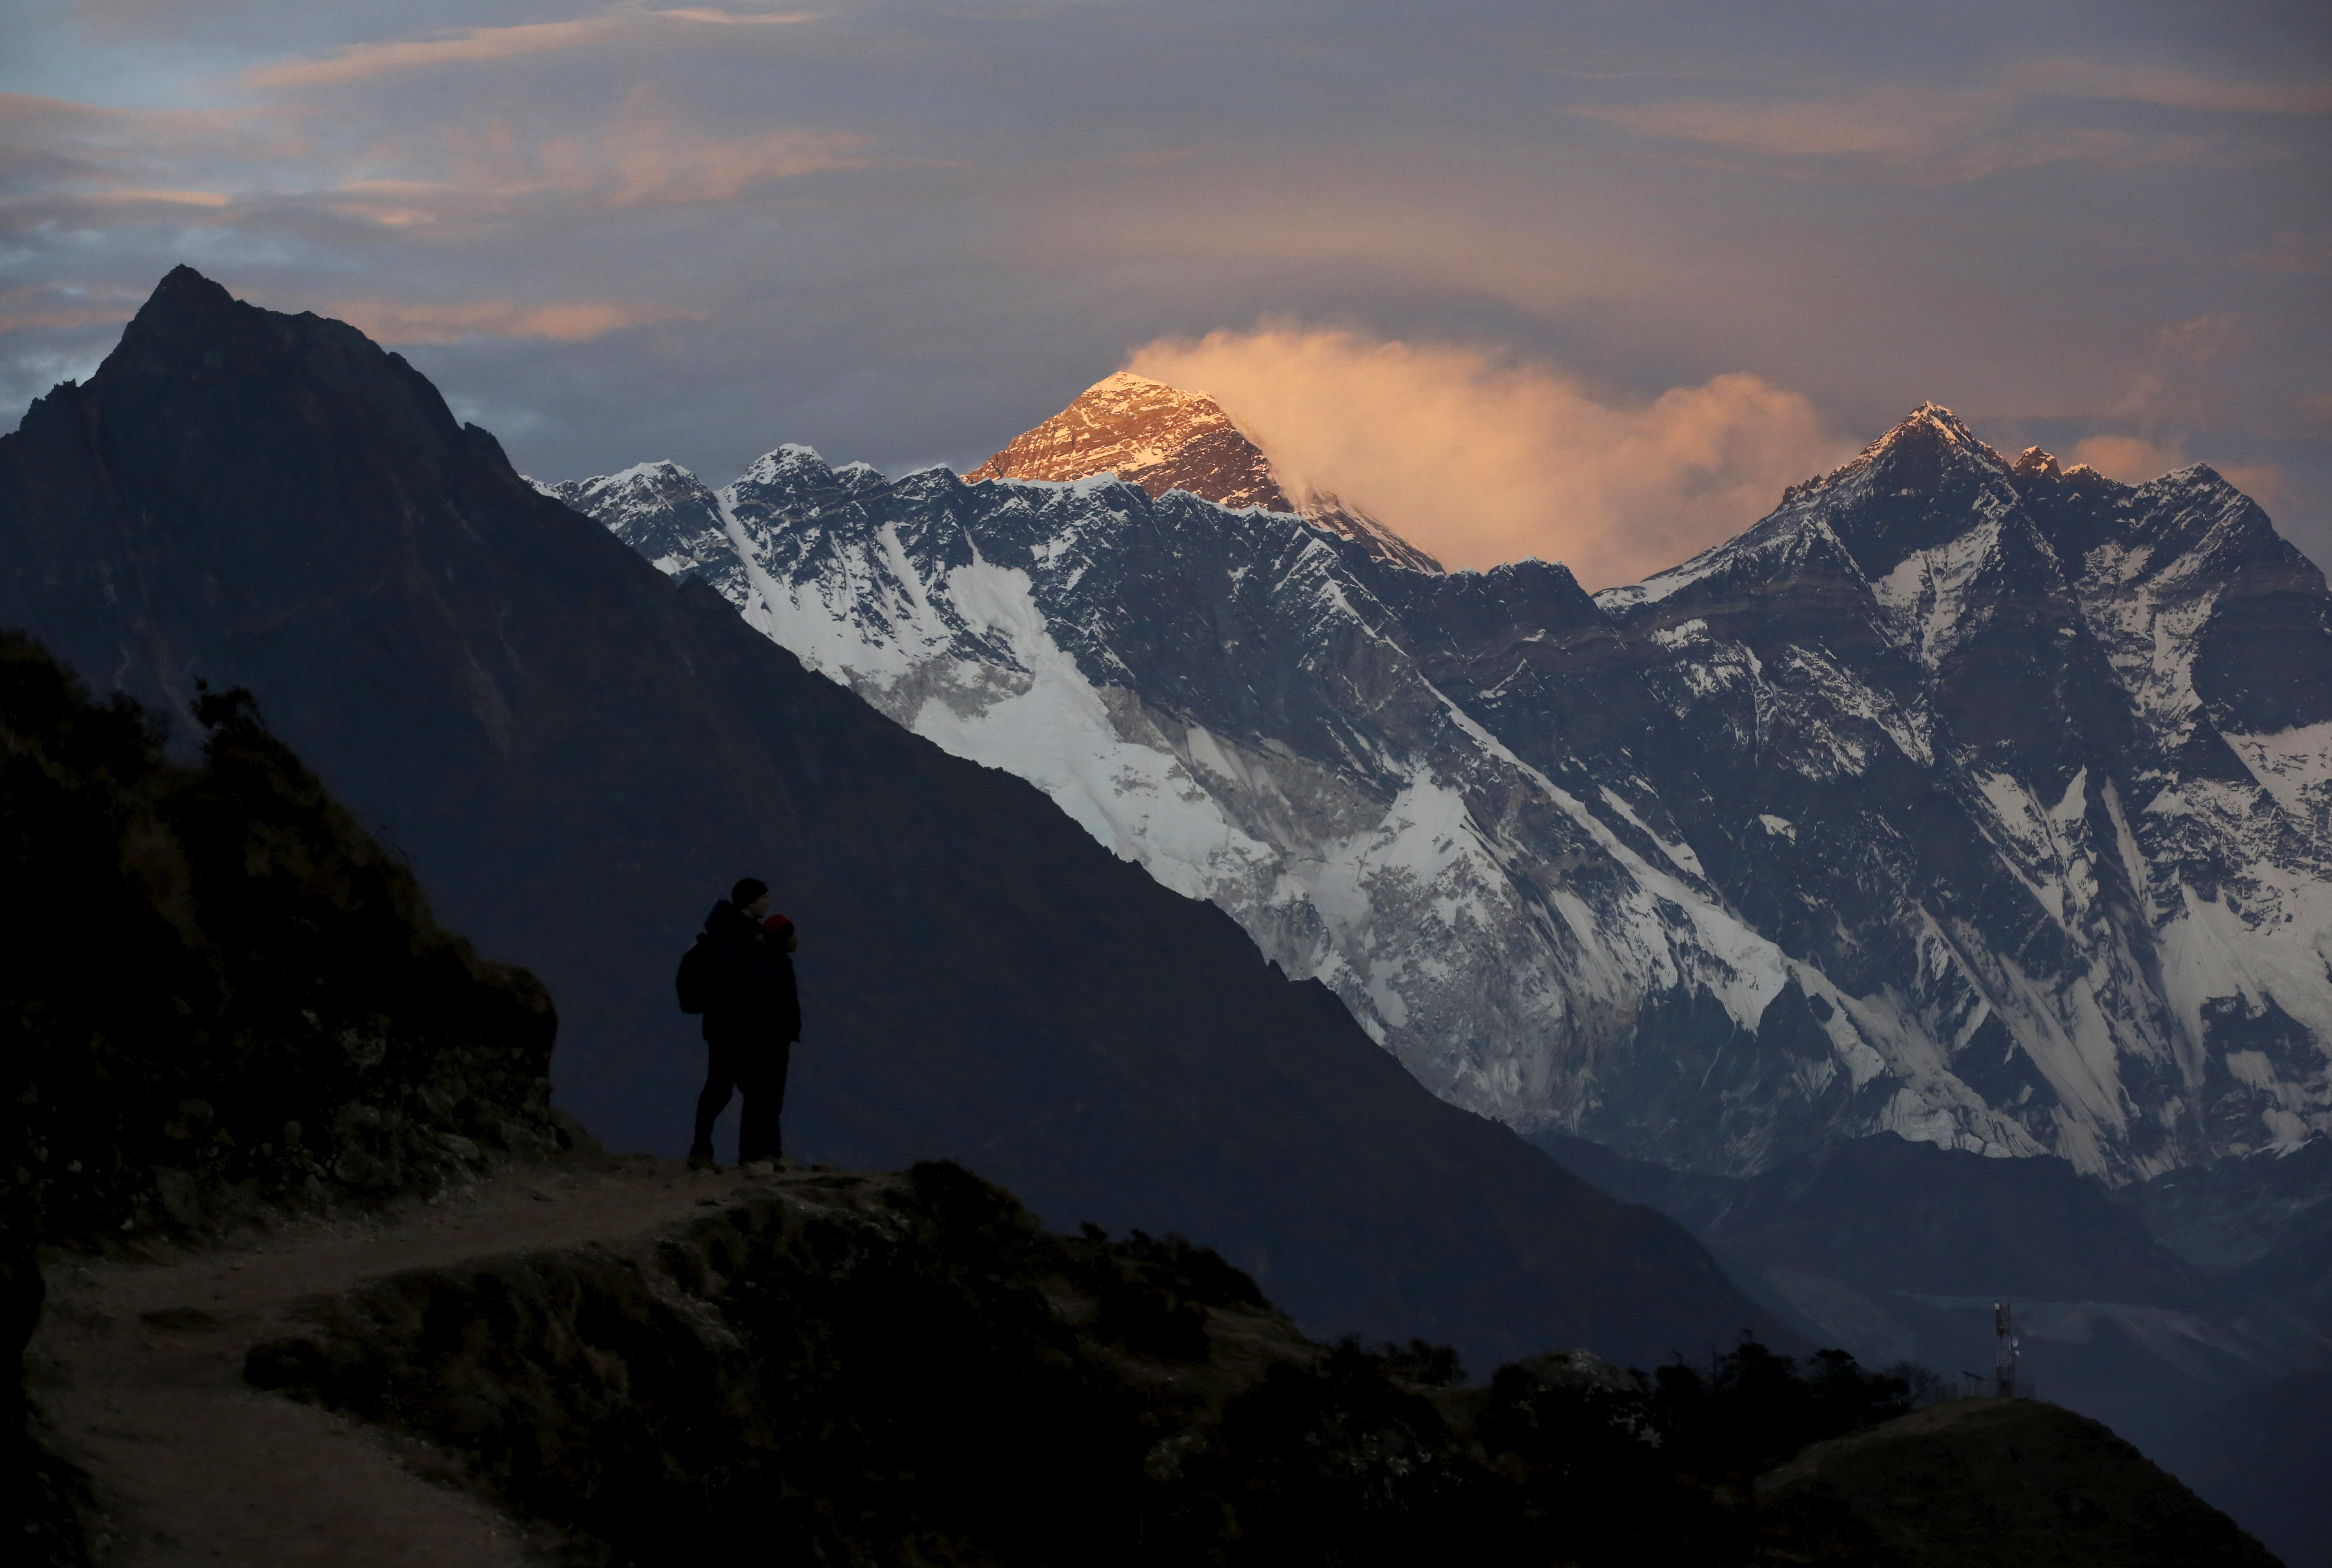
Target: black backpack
{"type": "Point", "coordinates": [703, 968]}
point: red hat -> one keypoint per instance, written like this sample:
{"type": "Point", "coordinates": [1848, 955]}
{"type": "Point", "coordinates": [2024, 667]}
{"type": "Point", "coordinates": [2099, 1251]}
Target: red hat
{"type": "Point", "coordinates": [777, 925]}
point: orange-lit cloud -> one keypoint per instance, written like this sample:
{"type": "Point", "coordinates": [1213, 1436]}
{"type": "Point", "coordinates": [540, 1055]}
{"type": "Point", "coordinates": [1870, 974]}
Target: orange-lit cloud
{"type": "Point", "coordinates": [482, 43]}
{"type": "Point", "coordinates": [634, 157]}
{"type": "Point", "coordinates": [174, 198]}
{"type": "Point", "coordinates": [2131, 459]}
{"type": "Point", "coordinates": [1481, 460]}
{"type": "Point", "coordinates": [565, 321]}
{"type": "Point", "coordinates": [640, 160]}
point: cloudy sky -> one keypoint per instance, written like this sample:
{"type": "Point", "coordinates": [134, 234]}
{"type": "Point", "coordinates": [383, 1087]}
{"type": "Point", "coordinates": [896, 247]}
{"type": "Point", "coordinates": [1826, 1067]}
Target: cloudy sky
{"type": "Point", "coordinates": [1591, 281]}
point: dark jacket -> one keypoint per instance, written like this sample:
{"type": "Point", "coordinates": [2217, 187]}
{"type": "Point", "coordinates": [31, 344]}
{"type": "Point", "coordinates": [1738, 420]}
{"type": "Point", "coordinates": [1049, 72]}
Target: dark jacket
{"type": "Point", "coordinates": [755, 1000]}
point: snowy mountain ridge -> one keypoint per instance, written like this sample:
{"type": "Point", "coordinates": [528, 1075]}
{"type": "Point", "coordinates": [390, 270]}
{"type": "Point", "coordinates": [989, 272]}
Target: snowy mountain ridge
{"type": "Point", "coordinates": [1958, 797]}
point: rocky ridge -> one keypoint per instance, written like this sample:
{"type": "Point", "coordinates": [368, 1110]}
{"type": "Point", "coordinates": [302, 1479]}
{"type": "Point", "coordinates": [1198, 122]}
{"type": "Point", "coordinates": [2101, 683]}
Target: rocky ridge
{"type": "Point", "coordinates": [1966, 799]}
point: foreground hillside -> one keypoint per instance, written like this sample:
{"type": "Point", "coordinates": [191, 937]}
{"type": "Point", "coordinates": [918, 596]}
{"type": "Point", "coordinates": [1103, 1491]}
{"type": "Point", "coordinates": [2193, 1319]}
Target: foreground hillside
{"type": "Point", "coordinates": [577, 1361]}
{"type": "Point", "coordinates": [231, 1007]}
{"type": "Point", "coordinates": [578, 756]}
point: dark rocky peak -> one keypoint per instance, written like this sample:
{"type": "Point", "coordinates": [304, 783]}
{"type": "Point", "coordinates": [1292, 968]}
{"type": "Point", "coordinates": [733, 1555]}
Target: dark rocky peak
{"type": "Point", "coordinates": [1795, 543]}
{"type": "Point", "coordinates": [657, 508]}
{"type": "Point", "coordinates": [2032, 463]}
{"type": "Point", "coordinates": [794, 482]}
{"type": "Point", "coordinates": [1929, 437]}
{"type": "Point", "coordinates": [661, 485]}
{"type": "Point", "coordinates": [1163, 438]}
{"type": "Point", "coordinates": [663, 511]}
{"type": "Point", "coordinates": [2263, 662]}
{"type": "Point", "coordinates": [2075, 509]}
{"type": "Point", "coordinates": [1921, 485]}
{"type": "Point", "coordinates": [1472, 612]}
{"type": "Point", "coordinates": [239, 360]}
{"type": "Point", "coordinates": [2193, 516]}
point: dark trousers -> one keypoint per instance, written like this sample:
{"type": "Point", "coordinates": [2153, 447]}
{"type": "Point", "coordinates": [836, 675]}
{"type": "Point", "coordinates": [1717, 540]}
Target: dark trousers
{"type": "Point", "coordinates": [756, 1069]}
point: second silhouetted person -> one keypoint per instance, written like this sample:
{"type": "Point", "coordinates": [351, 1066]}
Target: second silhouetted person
{"type": "Point", "coordinates": [752, 1017]}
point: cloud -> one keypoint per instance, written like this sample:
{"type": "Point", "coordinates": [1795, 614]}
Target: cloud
{"type": "Point", "coordinates": [2131, 459]}
{"type": "Point", "coordinates": [564, 321]}
{"type": "Point", "coordinates": [39, 304]}
{"type": "Point", "coordinates": [1945, 137]}
{"type": "Point", "coordinates": [635, 158]}
{"type": "Point", "coordinates": [2165, 88]}
{"type": "Point", "coordinates": [1969, 131]}
{"type": "Point", "coordinates": [639, 160]}
{"type": "Point", "coordinates": [474, 44]}
{"type": "Point", "coordinates": [171, 198]}
{"type": "Point", "coordinates": [1480, 459]}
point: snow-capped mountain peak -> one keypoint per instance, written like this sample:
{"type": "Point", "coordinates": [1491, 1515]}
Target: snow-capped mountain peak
{"type": "Point", "coordinates": [1164, 438]}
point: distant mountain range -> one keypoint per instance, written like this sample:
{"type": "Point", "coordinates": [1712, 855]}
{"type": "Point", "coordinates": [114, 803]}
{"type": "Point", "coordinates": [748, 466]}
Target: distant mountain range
{"type": "Point", "coordinates": [578, 754]}
{"type": "Point", "coordinates": [1965, 798]}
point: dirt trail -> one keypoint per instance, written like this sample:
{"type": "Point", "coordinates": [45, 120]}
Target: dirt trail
{"type": "Point", "coordinates": [140, 1367]}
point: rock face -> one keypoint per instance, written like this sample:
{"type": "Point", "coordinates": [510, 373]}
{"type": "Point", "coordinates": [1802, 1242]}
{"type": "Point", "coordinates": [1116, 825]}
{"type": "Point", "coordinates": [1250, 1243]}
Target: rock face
{"type": "Point", "coordinates": [578, 756]}
{"type": "Point", "coordinates": [1161, 438]}
{"type": "Point", "coordinates": [1973, 801]}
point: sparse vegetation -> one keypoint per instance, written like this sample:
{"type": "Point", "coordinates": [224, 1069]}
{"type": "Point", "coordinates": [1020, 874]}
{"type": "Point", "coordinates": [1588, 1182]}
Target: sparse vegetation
{"type": "Point", "coordinates": [909, 1369]}
{"type": "Point", "coordinates": [227, 997]}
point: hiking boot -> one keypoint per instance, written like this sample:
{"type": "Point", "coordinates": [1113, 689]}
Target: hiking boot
{"type": "Point", "coordinates": [762, 1166]}
{"type": "Point", "coordinates": [700, 1159]}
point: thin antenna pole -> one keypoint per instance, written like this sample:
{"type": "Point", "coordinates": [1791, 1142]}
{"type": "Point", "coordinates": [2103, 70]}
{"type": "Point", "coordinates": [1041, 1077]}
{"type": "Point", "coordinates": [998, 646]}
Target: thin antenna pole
{"type": "Point", "coordinates": [2003, 1365]}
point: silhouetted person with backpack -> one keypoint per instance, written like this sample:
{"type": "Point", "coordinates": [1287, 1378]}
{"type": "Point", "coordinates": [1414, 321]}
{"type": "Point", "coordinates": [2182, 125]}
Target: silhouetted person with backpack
{"type": "Point", "coordinates": [740, 976]}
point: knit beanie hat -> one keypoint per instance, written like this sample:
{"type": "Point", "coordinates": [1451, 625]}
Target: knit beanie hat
{"type": "Point", "coordinates": [747, 889]}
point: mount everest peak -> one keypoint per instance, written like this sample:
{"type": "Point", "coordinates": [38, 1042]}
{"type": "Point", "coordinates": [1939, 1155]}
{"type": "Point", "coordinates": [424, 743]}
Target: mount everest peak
{"type": "Point", "coordinates": [1163, 438]}
{"type": "Point", "coordinates": [1972, 800]}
